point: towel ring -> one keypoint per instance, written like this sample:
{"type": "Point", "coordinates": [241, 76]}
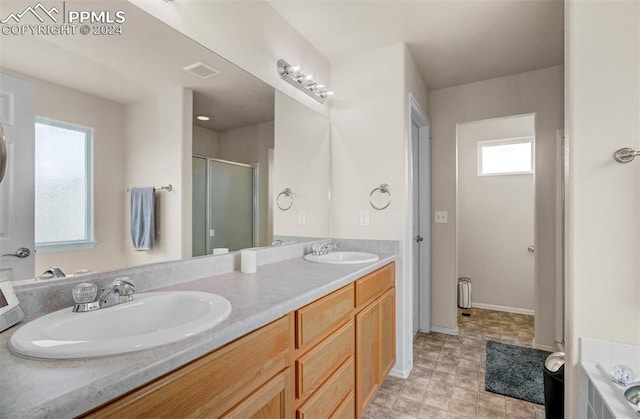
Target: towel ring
{"type": "Point", "coordinates": [384, 188]}
{"type": "Point", "coordinates": [287, 193]}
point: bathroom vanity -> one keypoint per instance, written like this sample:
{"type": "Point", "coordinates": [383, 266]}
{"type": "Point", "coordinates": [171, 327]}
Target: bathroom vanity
{"type": "Point", "coordinates": [326, 359]}
{"type": "Point", "coordinates": [303, 340]}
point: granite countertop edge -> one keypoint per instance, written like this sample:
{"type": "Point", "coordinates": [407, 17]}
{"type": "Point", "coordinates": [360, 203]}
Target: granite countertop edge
{"type": "Point", "coordinates": [111, 377]}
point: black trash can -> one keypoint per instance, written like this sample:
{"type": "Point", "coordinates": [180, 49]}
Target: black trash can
{"type": "Point", "coordinates": [554, 386]}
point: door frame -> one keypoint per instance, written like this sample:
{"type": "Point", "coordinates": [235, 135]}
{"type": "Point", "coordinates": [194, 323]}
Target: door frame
{"type": "Point", "coordinates": [255, 194]}
{"type": "Point", "coordinates": [418, 116]}
{"type": "Point", "coordinates": [534, 137]}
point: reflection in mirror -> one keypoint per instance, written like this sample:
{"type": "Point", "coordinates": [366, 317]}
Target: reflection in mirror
{"type": "Point", "coordinates": [303, 147]}
{"type": "Point", "coordinates": [134, 105]}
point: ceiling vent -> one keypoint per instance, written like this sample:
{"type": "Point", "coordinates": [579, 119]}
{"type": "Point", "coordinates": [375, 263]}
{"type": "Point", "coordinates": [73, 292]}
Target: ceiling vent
{"type": "Point", "coordinates": [202, 70]}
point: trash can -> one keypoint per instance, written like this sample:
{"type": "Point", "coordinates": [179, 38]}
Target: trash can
{"type": "Point", "coordinates": [464, 292]}
{"type": "Point", "coordinates": [554, 386]}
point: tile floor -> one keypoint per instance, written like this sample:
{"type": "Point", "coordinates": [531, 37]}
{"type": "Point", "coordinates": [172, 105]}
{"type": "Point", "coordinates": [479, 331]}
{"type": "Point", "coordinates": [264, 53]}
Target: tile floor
{"type": "Point", "coordinates": [447, 380]}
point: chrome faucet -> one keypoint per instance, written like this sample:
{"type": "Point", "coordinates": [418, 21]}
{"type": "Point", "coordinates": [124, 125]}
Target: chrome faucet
{"type": "Point", "coordinates": [53, 272]}
{"type": "Point", "coordinates": [120, 291]}
{"type": "Point", "coordinates": [319, 250]}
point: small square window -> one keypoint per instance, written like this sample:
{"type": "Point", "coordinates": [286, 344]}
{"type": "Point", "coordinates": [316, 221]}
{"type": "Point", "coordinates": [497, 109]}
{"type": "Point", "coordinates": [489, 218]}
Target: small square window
{"type": "Point", "coordinates": [505, 157]}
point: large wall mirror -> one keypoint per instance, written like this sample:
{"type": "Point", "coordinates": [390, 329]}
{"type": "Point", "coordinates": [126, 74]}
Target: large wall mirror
{"type": "Point", "coordinates": [87, 118]}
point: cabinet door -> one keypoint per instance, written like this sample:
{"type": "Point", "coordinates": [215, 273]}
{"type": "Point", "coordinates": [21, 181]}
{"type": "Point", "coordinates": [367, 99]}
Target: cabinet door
{"type": "Point", "coordinates": [271, 401]}
{"type": "Point", "coordinates": [213, 384]}
{"type": "Point", "coordinates": [387, 333]}
{"type": "Point", "coordinates": [367, 356]}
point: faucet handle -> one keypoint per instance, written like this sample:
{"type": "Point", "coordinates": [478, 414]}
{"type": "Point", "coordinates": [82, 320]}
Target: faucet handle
{"type": "Point", "coordinates": [123, 286]}
{"type": "Point", "coordinates": [84, 293]}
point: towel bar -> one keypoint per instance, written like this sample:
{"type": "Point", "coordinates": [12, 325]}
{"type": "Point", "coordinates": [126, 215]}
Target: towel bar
{"type": "Point", "coordinates": [169, 188]}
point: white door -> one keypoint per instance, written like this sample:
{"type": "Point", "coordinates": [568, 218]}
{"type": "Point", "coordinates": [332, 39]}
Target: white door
{"type": "Point", "coordinates": [17, 116]}
{"type": "Point", "coordinates": [415, 167]}
{"type": "Point", "coordinates": [420, 219]}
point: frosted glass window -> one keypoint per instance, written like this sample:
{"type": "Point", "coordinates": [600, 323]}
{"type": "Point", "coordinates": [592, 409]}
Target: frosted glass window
{"type": "Point", "coordinates": [507, 157]}
{"type": "Point", "coordinates": [63, 183]}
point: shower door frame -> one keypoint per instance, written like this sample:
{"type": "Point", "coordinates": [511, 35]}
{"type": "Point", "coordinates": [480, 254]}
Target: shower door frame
{"type": "Point", "coordinates": [254, 195]}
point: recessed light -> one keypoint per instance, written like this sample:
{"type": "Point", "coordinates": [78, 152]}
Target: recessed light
{"type": "Point", "coordinates": [202, 118]}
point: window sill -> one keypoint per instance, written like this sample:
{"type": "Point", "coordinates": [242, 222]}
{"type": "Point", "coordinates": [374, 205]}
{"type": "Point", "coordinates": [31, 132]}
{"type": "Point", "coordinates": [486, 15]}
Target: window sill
{"type": "Point", "coordinates": [64, 246]}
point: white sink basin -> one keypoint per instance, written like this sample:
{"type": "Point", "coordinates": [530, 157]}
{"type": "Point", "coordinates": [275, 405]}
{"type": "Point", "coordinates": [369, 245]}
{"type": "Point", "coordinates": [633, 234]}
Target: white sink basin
{"type": "Point", "coordinates": [151, 319]}
{"type": "Point", "coordinates": [343, 257]}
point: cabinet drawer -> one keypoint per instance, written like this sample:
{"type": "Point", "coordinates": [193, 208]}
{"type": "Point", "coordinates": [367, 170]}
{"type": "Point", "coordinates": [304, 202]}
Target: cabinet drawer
{"type": "Point", "coordinates": [374, 284]}
{"type": "Point", "coordinates": [329, 396]}
{"type": "Point", "coordinates": [346, 410]}
{"type": "Point", "coordinates": [213, 384]}
{"type": "Point", "coordinates": [316, 365]}
{"type": "Point", "coordinates": [317, 318]}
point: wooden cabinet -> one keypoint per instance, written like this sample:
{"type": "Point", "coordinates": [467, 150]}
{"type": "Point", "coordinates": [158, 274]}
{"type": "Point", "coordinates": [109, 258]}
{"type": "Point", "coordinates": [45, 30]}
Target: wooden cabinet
{"type": "Point", "coordinates": [212, 385]}
{"type": "Point", "coordinates": [316, 319]}
{"type": "Point", "coordinates": [387, 332]}
{"type": "Point", "coordinates": [375, 334]}
{"type": "Point", "coordinates": [325, 360]}
{"type": "Point", "coordinates": [325, 372]}
{"type": "Point", "coordinates": [327, 400]}
{"type": "Point", "coordinates": [272, 400]}
{"type": "Point", "coordinates": [316, 365]}
{"type": "Point", "coordinates": [371, 286]}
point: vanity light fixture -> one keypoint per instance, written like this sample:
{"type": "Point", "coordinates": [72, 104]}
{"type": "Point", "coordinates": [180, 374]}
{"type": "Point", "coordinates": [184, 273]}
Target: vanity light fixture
{"type": "Point", "coordinates": [202, 118]}
{"type": "Point", "coordinates": [305, 82]}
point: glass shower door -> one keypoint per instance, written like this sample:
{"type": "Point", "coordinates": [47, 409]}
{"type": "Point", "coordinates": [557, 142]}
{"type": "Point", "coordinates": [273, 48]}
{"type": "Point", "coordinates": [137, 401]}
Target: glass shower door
{"type": "Point", "coordinates": [231, 205]}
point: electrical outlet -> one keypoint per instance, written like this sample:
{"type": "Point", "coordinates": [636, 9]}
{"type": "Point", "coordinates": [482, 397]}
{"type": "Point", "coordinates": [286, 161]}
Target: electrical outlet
{"type": "Point", "coordinates": [302, 218]}
{"type": "Point", "coordinates": [442, 217]}
{"type": "Point", "coordinates": [364, 218]}
{"type": "Point", "coordinates": [212, 233]}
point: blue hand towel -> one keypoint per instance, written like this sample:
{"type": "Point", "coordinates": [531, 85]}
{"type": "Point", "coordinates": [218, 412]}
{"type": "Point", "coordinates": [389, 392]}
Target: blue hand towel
{"type": "Point", "coordinates": [143, 218]}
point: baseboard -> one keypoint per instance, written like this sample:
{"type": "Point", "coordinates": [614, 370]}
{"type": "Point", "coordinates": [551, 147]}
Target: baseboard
{"type": "Point", "coordinates": [546, 347]}
{"type": "Point", "coordinates": [506, 309]}
{"type": "Point", "coordinates": [401, 373]}
{"type": "Point", "coordinates": [446, 330]}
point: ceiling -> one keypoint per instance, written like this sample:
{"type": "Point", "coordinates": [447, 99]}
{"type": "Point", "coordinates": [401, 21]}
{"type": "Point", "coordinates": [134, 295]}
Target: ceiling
{"type": "Point", "coordinates": [452, 41]}
{"type": "Point", "coordinates": [148, 58]}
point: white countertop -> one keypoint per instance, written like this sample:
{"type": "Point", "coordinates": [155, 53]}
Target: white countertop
{"type": "Point", "coordinates": [38, 389]}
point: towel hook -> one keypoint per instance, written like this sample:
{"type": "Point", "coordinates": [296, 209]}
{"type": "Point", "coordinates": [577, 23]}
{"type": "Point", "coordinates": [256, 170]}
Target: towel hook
{"type": "Point", "coordinates": [286, 192]}
{"type": "Point", "coordinates": [626, 155]}
{"type": "Point", "coordinates": [384, 189]}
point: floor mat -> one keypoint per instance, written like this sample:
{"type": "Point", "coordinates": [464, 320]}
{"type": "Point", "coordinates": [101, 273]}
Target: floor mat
{"type": "Point", "coordinates": [515, 371]}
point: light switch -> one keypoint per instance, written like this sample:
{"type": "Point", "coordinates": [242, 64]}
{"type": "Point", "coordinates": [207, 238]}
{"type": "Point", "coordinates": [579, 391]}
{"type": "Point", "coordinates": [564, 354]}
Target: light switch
{"type": "Point", "coordinates": [442, 217]}
{"type": "Point", "coordinates": [212, 233]}
{"type": "Point", "coordinates": [364, 219]}
{"type": "Point", "coordinates": [302, 218]}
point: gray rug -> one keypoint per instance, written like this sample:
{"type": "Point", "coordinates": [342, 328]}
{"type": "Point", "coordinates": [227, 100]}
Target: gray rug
{"type": "Point", "coordinates": [515, 371]}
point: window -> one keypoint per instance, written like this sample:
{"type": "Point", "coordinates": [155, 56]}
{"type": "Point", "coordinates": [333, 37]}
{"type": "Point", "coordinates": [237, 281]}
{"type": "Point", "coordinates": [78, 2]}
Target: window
{"type": "Point", "coordinates": [505, 157]}
{"type": "Point", "coordinates": [63, 186]}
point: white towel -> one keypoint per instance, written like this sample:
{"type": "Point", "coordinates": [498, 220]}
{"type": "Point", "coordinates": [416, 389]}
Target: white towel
{"type": "Point", "coordinates": [143, 218]}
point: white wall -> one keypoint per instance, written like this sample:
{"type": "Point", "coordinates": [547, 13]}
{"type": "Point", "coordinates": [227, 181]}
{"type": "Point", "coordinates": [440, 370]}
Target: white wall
{"type": "Point", "coordinates": [158, 152]}
{"type": "Point", "coordinates": [368, 143]}
{"type": "Point", "coordinates": [250, 34]}
{"type": "Point", "coordinates": [250, 145]}
{"type": "Point", "coordinates": [301, 163]}
{"type": "Point", "coordinates": [369, 140]}
{"type": "Point", "coordinates": [602, 50]}
{"type": "Point", "coordinates": [539, 92]}
{"type": "Point", "coordinates": [495, 220]}
{"type": "Point", "coordinates": [106, 118]}
{"type": "Point", "coordinates": [206, 142]}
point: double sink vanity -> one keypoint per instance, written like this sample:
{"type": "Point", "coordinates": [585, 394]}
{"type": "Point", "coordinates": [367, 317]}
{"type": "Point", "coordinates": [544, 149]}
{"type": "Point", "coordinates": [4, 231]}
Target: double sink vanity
{"type": "Point", "coordinates": [296, 339]}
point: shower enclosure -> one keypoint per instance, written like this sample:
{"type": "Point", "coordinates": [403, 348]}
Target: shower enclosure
{"type": "Point", "coordinates": [224, 205]}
